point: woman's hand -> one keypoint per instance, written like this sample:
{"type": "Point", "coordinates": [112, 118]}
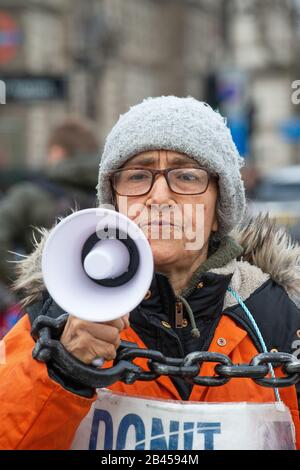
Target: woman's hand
{"type": "Point", "coordinates": [87, 341]}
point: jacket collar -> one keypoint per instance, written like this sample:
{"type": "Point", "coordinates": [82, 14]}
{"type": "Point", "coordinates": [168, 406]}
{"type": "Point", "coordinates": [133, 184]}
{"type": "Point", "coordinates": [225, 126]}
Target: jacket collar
{"type": "Point", "coordinates": [227, 250]}
{"type": "Point", "coordinates": [205, 291]}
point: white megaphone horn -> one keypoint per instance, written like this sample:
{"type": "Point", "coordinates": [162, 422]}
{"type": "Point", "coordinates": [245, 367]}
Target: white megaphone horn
{"type": "Point", "coordinates": [97, 265]}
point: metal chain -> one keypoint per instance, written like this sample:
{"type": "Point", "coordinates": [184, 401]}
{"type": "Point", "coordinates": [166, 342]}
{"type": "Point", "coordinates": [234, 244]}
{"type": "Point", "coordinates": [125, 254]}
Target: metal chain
{"type": "Point", "coordinates": [188, 368]}
{"type": "Point", "coordinates": [49, 349]}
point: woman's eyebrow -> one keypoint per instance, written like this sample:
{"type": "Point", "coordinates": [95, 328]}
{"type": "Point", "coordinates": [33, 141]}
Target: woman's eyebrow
{"type": "Point", "coordinates": [183, 161]}
{"type": "Point", "coordinates": [147, 161]}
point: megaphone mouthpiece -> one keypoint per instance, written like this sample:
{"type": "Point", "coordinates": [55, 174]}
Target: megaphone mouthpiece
{"type": "Point", "coordinates": [107, 260]}
{"type": "Point", "coordinates": [123, 260]}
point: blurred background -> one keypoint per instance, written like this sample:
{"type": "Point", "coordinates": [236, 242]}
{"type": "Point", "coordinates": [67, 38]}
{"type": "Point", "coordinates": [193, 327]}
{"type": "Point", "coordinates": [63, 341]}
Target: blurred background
{"type": "Point", "coordinates": [71, 67]}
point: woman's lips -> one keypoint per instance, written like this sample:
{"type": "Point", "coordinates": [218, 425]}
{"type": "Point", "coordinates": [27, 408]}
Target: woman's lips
{"type": "Point", "coordinates": [159, 224]}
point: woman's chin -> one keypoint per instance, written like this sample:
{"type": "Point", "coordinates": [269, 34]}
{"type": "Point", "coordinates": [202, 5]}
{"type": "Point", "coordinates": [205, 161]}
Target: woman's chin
{"type": "Point", "coordinates": [165, 251]}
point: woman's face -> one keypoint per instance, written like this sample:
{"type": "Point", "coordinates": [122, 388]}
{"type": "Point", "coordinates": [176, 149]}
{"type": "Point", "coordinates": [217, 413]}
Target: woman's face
{"type": "Point", "coordinates": [178, 226]}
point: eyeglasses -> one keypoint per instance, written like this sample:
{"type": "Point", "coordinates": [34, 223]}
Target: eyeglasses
{"type": "Point", "coordinates": [140, 181]}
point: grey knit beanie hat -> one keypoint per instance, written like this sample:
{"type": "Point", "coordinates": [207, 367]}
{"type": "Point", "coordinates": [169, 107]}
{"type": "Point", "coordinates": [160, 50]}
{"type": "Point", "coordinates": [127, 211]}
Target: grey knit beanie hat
{"type": "Point", "coordinates": [184, 125]}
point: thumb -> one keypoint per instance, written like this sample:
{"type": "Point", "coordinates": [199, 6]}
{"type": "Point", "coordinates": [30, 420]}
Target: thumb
{"type": "Point", "coordinates": [126, 322]}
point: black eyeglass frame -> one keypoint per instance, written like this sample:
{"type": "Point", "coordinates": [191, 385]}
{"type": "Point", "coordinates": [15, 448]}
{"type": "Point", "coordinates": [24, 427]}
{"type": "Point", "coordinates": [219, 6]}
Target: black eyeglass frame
{"type": "Point", "coordinates": [165, 173]}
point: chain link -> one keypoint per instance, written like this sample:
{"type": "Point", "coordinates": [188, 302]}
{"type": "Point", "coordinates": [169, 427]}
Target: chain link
{"type": "Point", "coordinates": [48, 348]}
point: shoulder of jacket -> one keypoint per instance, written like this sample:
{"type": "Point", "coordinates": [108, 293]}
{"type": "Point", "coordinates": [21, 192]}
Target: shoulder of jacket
{"type": "Point", "coordinates": [270, 248]}
{"type": "Point", "coordinates": [28, 189]}
{"type": "Point", "coordinates": [275, 313]}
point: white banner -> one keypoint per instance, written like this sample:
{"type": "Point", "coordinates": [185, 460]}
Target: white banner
{"type": "Point", "coordinates": [118, 422]}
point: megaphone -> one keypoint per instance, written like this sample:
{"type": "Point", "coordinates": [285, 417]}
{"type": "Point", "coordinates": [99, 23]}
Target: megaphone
{"type": "Point", "coordinates": [97, 265]}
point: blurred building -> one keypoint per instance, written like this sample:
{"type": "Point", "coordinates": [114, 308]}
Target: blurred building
{"type": "Point", "coordinates": [97, 58]}
{"type": "Point", "coordinates": [128, 50]}
{"type": "Point", "coordinates": [262, 43]}
{"type": "Point", "coordinates": [34, 64]}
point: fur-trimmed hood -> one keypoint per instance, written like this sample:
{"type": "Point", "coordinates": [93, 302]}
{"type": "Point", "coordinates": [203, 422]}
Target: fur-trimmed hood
{"type": "Point", "coordinates": [268, 252]}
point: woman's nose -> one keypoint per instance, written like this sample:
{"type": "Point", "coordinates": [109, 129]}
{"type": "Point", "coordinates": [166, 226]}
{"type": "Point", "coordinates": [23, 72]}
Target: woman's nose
{"type": "Point", "coordinates": [160, 192]}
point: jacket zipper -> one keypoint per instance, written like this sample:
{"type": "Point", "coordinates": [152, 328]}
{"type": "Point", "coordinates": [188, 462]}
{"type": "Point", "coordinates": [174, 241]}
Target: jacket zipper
{"type": "Point", "coordinates": [179, 314]}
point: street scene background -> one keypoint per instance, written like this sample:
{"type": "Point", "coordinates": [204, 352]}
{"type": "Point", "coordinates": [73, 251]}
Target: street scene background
{"type": "Point", "coordinates": [69, 68]}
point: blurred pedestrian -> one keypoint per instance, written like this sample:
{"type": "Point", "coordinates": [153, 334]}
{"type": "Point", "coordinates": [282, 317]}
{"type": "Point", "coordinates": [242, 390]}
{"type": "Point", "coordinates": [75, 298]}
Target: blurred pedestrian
{"type": "Point", "coordinates": [67, 182]}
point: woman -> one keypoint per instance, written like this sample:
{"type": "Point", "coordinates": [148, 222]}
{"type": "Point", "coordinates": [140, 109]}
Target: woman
{"type": "Point", "coordinates": [167, 157]}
